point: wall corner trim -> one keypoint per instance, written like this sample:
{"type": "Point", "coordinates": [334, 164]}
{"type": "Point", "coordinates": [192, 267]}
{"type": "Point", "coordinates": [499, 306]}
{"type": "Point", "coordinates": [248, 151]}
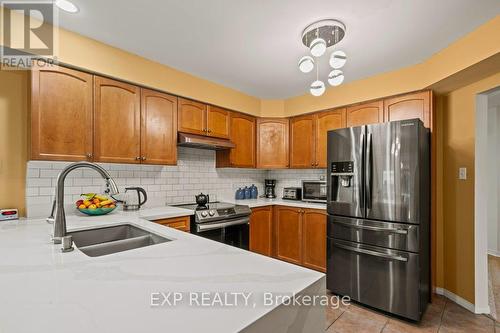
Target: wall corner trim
{"type": "Point", "coordinates": [462, 302]}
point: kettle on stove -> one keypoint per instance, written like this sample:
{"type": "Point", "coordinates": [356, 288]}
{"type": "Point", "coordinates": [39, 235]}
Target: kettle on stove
{"type": "Point", "coordinates": [132, 198]}
{"type": "Point", "coordinates": [202, 199]}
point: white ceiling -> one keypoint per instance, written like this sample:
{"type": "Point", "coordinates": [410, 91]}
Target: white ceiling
{"type": "Point", "coordinates": [254, 45]}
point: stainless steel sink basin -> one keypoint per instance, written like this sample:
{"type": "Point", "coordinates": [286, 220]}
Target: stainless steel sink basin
{"type": "Point", "coordinates": [102, 241]}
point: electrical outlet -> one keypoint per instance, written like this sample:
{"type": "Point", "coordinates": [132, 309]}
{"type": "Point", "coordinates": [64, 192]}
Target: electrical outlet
{"type": "Point", "coordinates": [462, 173]}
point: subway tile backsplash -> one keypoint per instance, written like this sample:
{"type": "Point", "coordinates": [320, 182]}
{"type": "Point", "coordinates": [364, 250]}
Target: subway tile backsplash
{"type": "Point", "coordinates": [195, 172]}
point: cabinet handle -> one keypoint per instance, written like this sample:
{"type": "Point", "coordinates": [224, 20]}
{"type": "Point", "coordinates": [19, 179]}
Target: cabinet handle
{"type": "Point", "coordinates": [89, 155]}
{"type": "Point", "coordinates": [144, 158]}
{"type": "Point", "coordinates": [138, 158]}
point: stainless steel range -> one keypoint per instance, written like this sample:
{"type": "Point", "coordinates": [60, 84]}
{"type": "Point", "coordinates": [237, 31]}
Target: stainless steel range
{"type": "Point", "coordinates": [222, 222]}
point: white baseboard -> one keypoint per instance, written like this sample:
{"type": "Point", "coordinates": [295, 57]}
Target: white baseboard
{"type": "Point", "coordinates": [460, 301]}
{"type": "Point", "coordinates": [494, 253]}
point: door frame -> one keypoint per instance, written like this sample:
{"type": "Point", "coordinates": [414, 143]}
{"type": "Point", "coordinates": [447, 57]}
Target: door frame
{"type": "Point", "coordinates": [481, 203]}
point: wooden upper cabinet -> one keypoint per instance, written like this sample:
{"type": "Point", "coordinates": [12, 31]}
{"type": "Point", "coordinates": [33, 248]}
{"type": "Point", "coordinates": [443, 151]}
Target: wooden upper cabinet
{"type": "Point", "coordinates": [158, 128]}
{"type": "Point", "coordinates": [218, 122]}
{"type": "Point", "coordinates": [327, 121]}
{"type": "Point", "coordinates": [365, 114]}
{"type": "Point", "coordinates": [272, 143]}
{"type": "Point", "coordinates": [117, 121]}
{"type": "Point", "coordinates": [288, 230]}
{"type": "Point", "coordinates": [314, 239]}
{"type": "Point", "coordinates": [192, 117]}
{"type": "Point", "coordinates": [261, 230]}
{"type": "Point", "coordinates": [302, 141]}
{"type": "Point", "coordinates": [410, 106]}
{"type": "Point", "coordinates": [243, 136]}
{"type": "Point", "coordinates": [61, 114]}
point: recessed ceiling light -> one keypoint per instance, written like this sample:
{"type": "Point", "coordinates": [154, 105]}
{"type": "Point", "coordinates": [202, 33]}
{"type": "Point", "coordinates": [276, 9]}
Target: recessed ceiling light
{"type": "Point", "coordinates": [67, 6]}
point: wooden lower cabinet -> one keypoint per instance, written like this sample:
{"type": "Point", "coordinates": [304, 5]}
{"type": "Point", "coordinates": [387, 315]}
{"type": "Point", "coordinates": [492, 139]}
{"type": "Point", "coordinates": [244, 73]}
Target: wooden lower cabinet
{"type": "Point", "coordinates": [288, 229]}
{"type": "Point", "coordinates": [180, 223]}
{"type": "Point", "coordinates": [314, 239]}
{"type": "Point", "coordinates": [261, 230]}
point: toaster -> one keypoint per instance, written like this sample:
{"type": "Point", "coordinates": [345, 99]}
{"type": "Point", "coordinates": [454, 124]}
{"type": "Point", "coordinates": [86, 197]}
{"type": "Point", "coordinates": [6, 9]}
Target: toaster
{"type": "Point", "coordinates": [292, 193]}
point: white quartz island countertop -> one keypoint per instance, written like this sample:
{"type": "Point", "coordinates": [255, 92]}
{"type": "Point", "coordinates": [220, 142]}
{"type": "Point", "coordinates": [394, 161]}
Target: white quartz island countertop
{"type": "Point", "coordinates": [45, 290]}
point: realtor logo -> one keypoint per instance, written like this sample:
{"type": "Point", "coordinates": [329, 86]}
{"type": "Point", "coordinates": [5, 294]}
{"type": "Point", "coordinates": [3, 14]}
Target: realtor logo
{"type": "Point", "coordinates": [28, 32]}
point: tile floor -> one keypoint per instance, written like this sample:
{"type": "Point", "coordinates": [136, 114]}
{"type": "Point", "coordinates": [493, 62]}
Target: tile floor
{"type": "Point", "coordinates": [442, 316]}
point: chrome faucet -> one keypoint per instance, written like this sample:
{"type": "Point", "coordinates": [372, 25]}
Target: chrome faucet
{"type": "Point", "coordinates": [58, 217]}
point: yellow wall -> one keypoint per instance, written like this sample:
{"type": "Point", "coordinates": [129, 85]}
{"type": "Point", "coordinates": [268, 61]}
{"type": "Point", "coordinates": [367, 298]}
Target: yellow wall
{"type": "Point", "coordinates": [13, 138]}
{"type": "Point", "coordinates": [458, 139]}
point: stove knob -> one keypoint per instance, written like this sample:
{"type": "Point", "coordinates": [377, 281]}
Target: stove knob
{"type": "Point", "coordinates": [204, 214]}
{"type": "Point", "coordinates": [211, 213]}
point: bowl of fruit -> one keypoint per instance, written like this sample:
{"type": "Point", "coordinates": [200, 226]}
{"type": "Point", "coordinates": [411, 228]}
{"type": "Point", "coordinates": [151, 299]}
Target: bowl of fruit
{"type": "Point", "coordinates": [95, 204]}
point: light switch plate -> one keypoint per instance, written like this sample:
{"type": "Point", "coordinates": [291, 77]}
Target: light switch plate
{"type": "Point", "coordinates": [462, 173]}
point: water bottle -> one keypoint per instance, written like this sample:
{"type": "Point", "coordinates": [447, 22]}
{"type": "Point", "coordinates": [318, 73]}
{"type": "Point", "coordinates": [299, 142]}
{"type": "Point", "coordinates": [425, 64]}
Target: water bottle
{"type": "Point", "coordinates": [248, 193]}
{"type": "Point", "coordinates": [255, 191]}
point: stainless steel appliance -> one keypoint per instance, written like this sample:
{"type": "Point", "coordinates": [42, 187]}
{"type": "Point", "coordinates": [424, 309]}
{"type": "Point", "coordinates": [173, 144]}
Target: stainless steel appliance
{"type": "Point", "coordinates": [222, 222]}
{"type": "Point", "coordinates": [269, 191]}
{"type": "Point", "coordinates": [292, 193]}
{"type": "Point", "coordinates": [132, 198]}
{"type": "Point", "coordinates": [314, 190]}
{"type": "Point", "coordinates": [378, 216]}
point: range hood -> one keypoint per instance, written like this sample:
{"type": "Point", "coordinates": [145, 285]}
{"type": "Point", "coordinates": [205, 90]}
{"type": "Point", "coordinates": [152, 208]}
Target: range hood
{"type": "Point", "coordinates": [203, 142]}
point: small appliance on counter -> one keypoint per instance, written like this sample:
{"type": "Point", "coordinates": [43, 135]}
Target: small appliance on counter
{"type": "Point", "coordinates": [9, 214]}
{"type": "Point", "coordinates": [292, 193]}
{"type": "Point", "coordinates": [202, 199]}
{"type": "Point", "coordinates": [269, 192]}
{"type": "Point", "coordinates": [132, 198]}
{"type": "Point", "coordinates": [314, 191]}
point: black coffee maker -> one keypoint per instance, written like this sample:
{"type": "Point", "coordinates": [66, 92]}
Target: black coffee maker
{"type": "Point", "coordinates": [270, 184]}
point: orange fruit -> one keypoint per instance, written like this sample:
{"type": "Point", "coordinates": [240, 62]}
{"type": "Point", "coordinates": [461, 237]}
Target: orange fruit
{"type": "Point", "coordinates": [82, 206]}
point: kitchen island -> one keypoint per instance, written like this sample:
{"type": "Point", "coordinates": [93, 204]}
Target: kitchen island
{"type": "Point", "coordinates": [44, 290]}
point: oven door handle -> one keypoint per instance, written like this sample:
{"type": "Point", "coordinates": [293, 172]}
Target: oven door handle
{"type": "Point", "coordinates": [211, 226]}
{"type": "Point", "coordinates": [366, 227]}
{"type": "Point", "coordinates": [371, 253]}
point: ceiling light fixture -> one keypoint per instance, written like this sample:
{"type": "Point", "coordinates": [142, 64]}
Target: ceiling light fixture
{"type": "Point", "coordinates": [318, 37]}
{"type": "Point", "coordinates": [306, 64]}
{"type": "Point", "coordinates": [67, 6]}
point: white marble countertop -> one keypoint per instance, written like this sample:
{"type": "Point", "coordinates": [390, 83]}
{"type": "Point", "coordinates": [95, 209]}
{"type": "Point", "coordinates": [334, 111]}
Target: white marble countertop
{"type": "Point", "coordinates": [261, 202]}
{"type": "Point", "coordinates": [44, 290]}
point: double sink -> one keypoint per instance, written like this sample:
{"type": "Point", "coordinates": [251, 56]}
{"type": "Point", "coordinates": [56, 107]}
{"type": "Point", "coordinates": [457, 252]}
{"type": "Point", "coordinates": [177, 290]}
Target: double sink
{"type": "Point", "coordinates": [107, 240]}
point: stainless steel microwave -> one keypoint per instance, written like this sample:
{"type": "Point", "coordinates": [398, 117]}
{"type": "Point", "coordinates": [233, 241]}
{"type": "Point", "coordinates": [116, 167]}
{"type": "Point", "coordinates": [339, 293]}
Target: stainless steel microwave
{"type": "Point", "coordinates": [314, 190]}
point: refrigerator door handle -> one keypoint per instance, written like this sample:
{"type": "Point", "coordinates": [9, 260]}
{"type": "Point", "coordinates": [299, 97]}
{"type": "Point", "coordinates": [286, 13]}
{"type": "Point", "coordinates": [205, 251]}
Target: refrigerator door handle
{"type": "Point", "coordinates": [368, 186]}
{"type": "Point", "coordinates": [363, 161]}
{"type": "Point", "coordinates": [366, 227]}
{"type": "Point", "coordinates": [371, 253]}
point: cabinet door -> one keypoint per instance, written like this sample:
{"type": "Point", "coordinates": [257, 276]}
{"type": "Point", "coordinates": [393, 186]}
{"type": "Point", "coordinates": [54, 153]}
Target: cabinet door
{"type": "Point", "coordinates": [117, 121]}
{"type": "Point", "coordinates": [327, 121]}
{"type": "Point", "coordinates": [243, 136]}
{"type": "Point", "coordinates": [314, 239]}
{"type": "Point", "coordinates": [364, 114]}
{"type": "Point", "coordinates": [261, 223]}
{"type": "Point", "coordinates": [158, 128]}
{"type": "Point", "coordinates": [409, 106]}
{"type": "Point", "coordinates": [61, 114]}
{"type": "Point", "coordinates": [192, 117]}
{"type": "Point", "coordinates": [302, 142]}
{"type": "Point", "coordinates": [272, 143]}
{"type": "Point", "coordinates": [218, 122]}
{"type": "Point", "coordinates": [289, 234]}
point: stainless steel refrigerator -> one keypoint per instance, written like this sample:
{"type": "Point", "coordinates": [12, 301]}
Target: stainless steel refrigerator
{"type": "Point", "coordinates": [378, 250]}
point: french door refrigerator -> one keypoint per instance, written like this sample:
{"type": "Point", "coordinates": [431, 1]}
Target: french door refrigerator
{"type": "Point", "coordinates": [378, 250]}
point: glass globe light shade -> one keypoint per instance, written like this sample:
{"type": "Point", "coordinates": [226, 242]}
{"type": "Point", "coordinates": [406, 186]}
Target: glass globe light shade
{"type": "Point", "coordinates": [318, 47]}
{"type": "Point", "coordinates": [306, 64]}
{"type": "Point", "coordinates": [338, 59]}
{"type": "Point", "coordinates": [317, 88]}
{"type": "Point", "coordinates": [336, 77]}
